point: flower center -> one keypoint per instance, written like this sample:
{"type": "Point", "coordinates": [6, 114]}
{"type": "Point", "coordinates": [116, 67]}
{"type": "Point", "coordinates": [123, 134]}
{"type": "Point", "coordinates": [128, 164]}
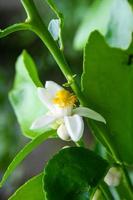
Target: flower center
{"type": "Point", "coordinates": [64, 98]}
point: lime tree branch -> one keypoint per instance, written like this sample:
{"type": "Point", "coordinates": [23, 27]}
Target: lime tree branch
{"type": "Point", "coordinates": [12, 29]}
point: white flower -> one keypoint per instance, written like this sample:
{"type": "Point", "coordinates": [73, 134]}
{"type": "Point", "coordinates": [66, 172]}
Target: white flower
{"type": "Point", "coordinates": [62, 113]}
{"type": "Point", "coordinates": [113, 177]}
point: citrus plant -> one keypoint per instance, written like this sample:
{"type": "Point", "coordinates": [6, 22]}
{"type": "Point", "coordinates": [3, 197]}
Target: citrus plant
{"type": "Point", "coordinates": [102, 99]}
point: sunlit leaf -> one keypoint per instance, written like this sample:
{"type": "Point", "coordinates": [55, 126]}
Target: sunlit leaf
{"type": "Point", "coordinates": [75, 172]}
{"type": "Point", "coordinates": [31, 190]}
{"type": "Point", "coordinates": [23, 96]}
{"type": "Point", "coordinates": [112, 18]}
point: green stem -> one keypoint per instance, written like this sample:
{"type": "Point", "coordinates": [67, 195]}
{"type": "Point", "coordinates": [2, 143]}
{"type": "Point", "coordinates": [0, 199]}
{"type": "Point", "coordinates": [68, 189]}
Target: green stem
{"type": "Point", "coordinates": [30, 9]}
{"type": "Point", "coordinates": [105, 191]}
{"type": "Point", "coordinates": [124, 189]}
{"type": "Point", "coordinates": [13, 28]}
{"type": "Point", "coordinates": [98, 131]}
{"type": "Point", "coordinates": [127, 182]}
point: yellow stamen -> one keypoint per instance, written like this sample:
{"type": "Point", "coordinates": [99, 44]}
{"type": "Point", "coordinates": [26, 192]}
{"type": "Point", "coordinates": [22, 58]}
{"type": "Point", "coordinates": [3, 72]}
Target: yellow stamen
{"type": "Point", "coordinates": [64, 98]}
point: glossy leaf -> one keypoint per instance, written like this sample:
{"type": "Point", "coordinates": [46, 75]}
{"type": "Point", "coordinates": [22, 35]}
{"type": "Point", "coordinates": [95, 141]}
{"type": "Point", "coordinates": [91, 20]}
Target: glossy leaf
{"type": "Point", "coordinates": [75, 172]}
{"type": "Point", "coordinates": [31, 190]}
{"type": "Point", "coordinates": [23, 96]}
{"type": "Point", "coordinates": [25, 152]}
{"type": "Point", "coordinates": [112, 18]}
{"type": "Point", "coordinates": [107, 84]}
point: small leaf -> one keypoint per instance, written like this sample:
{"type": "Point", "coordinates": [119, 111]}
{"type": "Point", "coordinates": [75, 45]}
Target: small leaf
{"type": "Point", "coordinates": [31, 190]}
{"type": "Point", "coordinates": [107, 83]}
{"type": "Point", "coordinates": [23, 96]}
{"type": "Point", "coordinates": [54, 28]}
{"type": "Point", "coordinates": [24, 152]}
{"type": "Point", "coordinates": [75, 172]}
{"type": "Point", "coordinates": [112, 18]}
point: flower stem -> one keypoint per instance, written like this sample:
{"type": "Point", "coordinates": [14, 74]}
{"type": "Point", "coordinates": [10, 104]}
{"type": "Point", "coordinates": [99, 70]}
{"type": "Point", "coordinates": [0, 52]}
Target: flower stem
{"type": "Point", "coordinates": [105, 191]}
{"type": "Point", "coordinates": [127, 182]}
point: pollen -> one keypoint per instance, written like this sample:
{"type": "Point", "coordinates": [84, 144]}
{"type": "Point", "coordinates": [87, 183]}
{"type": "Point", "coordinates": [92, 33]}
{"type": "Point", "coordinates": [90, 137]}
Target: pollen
{"type": "Point", "coordinates": [64, 98]}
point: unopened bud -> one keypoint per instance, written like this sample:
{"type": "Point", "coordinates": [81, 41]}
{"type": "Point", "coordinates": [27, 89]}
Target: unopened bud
{"type": "Point", "coordinates": [113, 177]}
{"type": "Point", "coordinates": [62, 133]}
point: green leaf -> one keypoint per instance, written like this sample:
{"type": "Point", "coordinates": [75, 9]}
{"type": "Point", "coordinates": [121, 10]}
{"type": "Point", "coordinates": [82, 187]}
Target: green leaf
{"type": "Point", "coordinates": [13, 28]}
{"type": "Point", "coordinates": [131, 2]}
{"type": "Point", "coordinates": [24, 152]}
{"type": "Point", "coordinates": [31, 190]}
{"type": "Point", "coordinates": [75, 172]}
{"type": "Point", "coordinates": [107, 84]}
{"type": "Point", "coordinates": [116, 26]}
{"type": "Point", "coordinates": [23, 96]}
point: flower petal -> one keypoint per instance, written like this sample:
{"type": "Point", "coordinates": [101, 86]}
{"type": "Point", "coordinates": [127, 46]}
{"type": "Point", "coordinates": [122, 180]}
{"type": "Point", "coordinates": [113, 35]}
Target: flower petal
{"type": "Point", "coordinates": [75, 126]}
{"type": "Point", "coordinates": [63, 133]}
{"type": "Point", "coordinates": [52, 87]}
{"type": "Point", "coordinates": [45, 97]}
{"type": "Point", "coordinates": [62, 112]}
{"type": "Point", "coordinates": [86, 112]}
{"type": "Point", "coordinates": [42, 122]}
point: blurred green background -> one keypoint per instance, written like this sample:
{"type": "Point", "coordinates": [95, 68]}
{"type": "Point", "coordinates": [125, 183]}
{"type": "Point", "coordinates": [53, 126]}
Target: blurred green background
{"type": "Point", "coordinates": [11, 139]}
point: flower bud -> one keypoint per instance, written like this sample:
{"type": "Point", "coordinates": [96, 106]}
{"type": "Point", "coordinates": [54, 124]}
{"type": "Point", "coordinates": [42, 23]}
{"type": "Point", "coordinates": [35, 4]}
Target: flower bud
{"type": "Point", "coordinates": [113, 177]}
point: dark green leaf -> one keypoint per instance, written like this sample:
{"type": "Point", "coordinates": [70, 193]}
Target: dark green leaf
{"type": "Point", "coordinates": [23, 96]}
{"type": "Point", "coordinates": [107, 84]}
{"type": "Point", "coordinates": [31, 190]}
{"type": "Point", "coordinates": [131, 2]}
{"type": "Point", "coordinates": [24, 152]}
{"type": "Point", "coordinates": [72, 172]}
